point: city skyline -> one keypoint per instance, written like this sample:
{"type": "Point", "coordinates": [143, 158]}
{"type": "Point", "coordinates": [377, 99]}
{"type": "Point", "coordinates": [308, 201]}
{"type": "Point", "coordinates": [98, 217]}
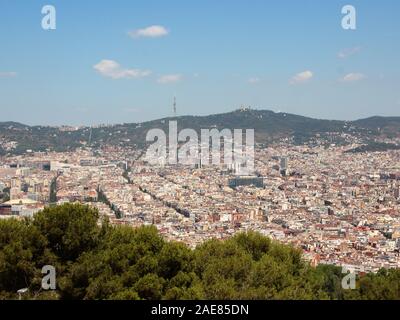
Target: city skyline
{"type": "Point", "coordinates": [264, 54]}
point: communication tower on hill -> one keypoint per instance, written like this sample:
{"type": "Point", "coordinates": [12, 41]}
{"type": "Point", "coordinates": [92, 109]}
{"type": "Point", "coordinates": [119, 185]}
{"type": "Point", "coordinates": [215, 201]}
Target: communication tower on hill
{"type": "Point", "coordinates": [174, 108]}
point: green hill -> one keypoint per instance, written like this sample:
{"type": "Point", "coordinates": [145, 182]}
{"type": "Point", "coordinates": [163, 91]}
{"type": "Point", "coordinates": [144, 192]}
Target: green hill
{"type": "Point", "coordinates": [269, 127]}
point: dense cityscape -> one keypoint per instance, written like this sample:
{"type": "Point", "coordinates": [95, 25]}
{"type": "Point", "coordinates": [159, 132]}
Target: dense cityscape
{"type": "Point", "coordinates": [339, 208]}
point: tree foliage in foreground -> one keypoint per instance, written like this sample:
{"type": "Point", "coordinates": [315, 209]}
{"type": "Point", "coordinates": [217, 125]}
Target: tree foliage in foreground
{"type": "Point", "coordinates": [99, 261]}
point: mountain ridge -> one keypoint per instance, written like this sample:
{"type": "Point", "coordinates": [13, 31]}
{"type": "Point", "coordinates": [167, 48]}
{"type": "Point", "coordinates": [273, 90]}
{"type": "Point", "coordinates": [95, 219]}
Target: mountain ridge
{"type": "Point", "coordinates": [263, 111]}
{"type": "Point", "coordinates": [269, 126]}
{"type": "Point", "coordinates": [374, 117]}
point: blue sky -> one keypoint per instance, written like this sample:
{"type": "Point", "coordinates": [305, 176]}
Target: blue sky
{"type": "Point", "coordinates": [123, 61]}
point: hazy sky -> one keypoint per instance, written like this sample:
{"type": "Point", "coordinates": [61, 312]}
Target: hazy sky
{"type": "Point", "coordinates": [123, 61]}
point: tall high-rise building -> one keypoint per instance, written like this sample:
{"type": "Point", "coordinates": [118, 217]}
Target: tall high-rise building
{"type": "Point", "coordinates": [283, 167]}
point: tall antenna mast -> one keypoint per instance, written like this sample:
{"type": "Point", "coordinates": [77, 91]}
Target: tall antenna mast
{"type": "Point", "coordinates": [174, 106]}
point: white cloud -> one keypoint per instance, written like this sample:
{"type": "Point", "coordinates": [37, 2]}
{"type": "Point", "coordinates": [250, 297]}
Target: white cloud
{"type": "Point", "coordinates": [149, 32]}
{"type": "Point", "coordinates": [301, 77]}
{"type": "Point", "coordinates": [169, 78]}
{"type": "Point", "coordinates": [254, 80]}
{"type": "Point", "coordinates": [8, 74]}
{"type": "Point", "coordinates": [352, 77]}
{"type": "Point", "coordinates": [345, 53]}
{"type": "Point", "coordinates": [112, 69]}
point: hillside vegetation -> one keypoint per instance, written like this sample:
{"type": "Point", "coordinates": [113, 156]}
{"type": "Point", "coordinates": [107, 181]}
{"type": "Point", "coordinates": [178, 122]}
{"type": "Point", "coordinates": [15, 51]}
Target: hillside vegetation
{"type": "Point", "coordinates": [269, 127]}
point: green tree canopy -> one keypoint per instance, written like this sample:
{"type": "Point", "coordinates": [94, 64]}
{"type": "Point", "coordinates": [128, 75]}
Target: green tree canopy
{"type": "Point", "coordinates": [94, 260]}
